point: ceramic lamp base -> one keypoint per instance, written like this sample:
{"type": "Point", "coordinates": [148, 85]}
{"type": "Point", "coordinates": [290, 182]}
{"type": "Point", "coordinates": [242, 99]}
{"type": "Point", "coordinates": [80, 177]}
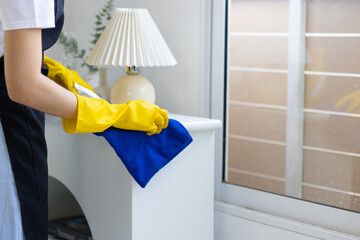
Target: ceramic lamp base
{"type": "Point", "coordinates": [132, 87]}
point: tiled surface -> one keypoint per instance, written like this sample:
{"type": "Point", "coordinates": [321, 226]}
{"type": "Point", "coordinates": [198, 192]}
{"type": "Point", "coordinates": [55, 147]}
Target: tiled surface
{"type": "Point", "coordinates": [258, 161]}
{"type": "Point", "coordinates": [331, 170]}
{"type": "Point", "coordinates": [332, 198]}
{"type": "Point", "coordinates": [259, 52]}
{"type": "Point", "coordinates": [256, 182]}
{"type": "Point", "coordinates": [333, 16]}
{"type": "Point", "coordinates": [339, 133]}
{"type": "Point", "coordinates": [269, 124]}
{"type": "Point", "coordinates": [263, 158]}
{"type": "Point", "coordinates": [331, 178]}
{"type": "Point", "coordinates": [259, 16]}
{"type": "Point", "coordinates": [258, 87]}
{"type": "Point", "coordinates": [335, 54]}
{"type": "Point", "coordinates": [324, 92]}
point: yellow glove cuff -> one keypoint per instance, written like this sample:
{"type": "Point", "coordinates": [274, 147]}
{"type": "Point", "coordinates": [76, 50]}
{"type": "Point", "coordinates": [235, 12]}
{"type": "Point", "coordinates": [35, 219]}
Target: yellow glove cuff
{"type": "Point", "coordinates": [92, 116]}
{"type": "Point", "coordinates": [64, 76]}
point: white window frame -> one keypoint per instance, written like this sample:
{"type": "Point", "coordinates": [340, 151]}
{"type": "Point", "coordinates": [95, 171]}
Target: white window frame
{"type": "Point", "coordinates": [288, 213]}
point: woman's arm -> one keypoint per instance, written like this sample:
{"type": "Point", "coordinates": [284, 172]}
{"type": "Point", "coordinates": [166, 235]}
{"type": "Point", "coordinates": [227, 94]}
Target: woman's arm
{"type": "Point", "coordinates": [25, 83]}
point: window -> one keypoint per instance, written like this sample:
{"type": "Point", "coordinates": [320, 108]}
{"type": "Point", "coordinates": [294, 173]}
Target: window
{"type": "Point", "coordinates": [282, 139]}
{"type": "Point", "coordinates": [292, 125]}
{"type": "Point", "coordinates": [257, 69]}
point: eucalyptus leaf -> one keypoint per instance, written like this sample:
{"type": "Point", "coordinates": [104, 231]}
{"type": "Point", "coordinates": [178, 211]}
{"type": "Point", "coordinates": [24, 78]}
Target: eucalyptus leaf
{"type": "Point", "coordinates": [70, 44]}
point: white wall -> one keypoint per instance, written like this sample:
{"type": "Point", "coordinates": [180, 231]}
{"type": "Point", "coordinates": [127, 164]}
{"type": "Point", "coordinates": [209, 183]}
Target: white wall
{"type": "Point", "coordinates": [180, 89]}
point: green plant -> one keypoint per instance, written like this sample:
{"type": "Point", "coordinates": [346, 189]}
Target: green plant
{"type": "Point", "coordinates": [102, 18]}
{"type": "Point", "coordinates": [72, 53]}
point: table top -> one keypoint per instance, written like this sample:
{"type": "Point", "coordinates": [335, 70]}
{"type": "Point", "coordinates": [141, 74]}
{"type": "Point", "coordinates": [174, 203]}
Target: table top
{"type": "Point", "coordinates": [196, 123]}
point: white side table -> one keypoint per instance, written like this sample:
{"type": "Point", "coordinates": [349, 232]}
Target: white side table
{"type": "Point", "coordinates": [177, 203]}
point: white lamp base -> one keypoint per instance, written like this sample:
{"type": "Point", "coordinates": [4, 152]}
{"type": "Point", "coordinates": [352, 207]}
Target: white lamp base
{"type": "Point", "coordinates": [132, 87]}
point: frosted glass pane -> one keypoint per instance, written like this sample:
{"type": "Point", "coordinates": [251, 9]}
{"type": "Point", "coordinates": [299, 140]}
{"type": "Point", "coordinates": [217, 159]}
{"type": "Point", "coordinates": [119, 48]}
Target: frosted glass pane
{"type": "Point", "coordinates": [332, 198]}
{"type": "Point", "coordinates": [257, 103]}
{"type": "Point", "coordinates": [333, 16]}
{"type": "Point", "coordinates": [333, 54]}
{"type": "Point", "coordinates": [259, 52]}
{"type": "Point", "coordinates": [257, 114]}
{"type": "Point", "coordinates": [257, 157]}
{"type": "Point", "coordinates": [327, 93]}
{"type": "Point", "coordinates": [258, 87]}
{"type": "Point", "coordinates": [257, 122]}
{"type": "Point", "coordinates": [259, 16]}
{"type": "Point", "coordinates": [341, 171]}
{"type": "Point", "coordinates": [339, 133]}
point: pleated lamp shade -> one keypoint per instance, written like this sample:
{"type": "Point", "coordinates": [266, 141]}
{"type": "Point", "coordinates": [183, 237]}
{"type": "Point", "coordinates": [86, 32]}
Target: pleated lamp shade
{"type": "Point", "coordinates": [131, 38]}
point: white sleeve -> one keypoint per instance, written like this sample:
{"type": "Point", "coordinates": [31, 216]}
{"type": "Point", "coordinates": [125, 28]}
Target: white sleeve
{"type": "Point", "coordinates": [19, 14]}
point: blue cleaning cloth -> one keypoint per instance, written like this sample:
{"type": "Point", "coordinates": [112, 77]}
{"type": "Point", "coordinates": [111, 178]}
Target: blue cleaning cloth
{"type": "Point", "coordinates": [144, 155]}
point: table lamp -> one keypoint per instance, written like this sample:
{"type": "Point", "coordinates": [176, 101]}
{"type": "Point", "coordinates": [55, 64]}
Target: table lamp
{"type": "Point", "coordinates": [132, 40]}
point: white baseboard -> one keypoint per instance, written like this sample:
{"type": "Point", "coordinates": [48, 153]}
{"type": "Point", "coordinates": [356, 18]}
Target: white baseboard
{"type": "Point", "coordinates": [281, 223]}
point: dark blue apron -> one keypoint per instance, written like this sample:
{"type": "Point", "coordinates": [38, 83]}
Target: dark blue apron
{"type": "Point", "coordinates": [24, 134]}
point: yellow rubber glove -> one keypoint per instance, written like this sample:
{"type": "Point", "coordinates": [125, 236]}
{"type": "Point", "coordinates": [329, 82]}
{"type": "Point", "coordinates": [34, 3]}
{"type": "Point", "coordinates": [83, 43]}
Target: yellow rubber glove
{"type": "Point", "coordinates": [96, 115]}
{"type": "Point", "coordinates": [353, 99]}
{"type": "Point", "coordinates": [63, 76]}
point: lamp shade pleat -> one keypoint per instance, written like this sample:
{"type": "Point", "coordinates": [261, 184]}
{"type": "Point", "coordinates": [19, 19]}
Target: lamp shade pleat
{"type": "Point", "coordinates": [131, 38]}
